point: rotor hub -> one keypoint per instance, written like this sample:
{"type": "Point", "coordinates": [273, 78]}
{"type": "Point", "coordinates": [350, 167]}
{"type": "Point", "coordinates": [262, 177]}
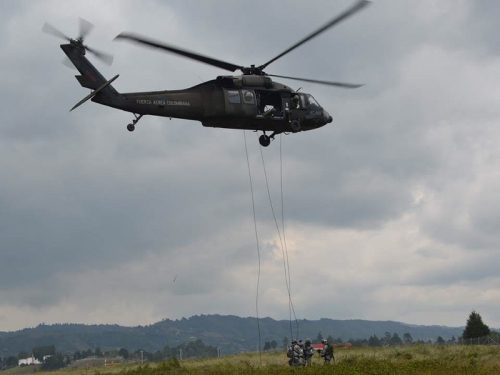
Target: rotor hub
{"type": "Point", "coordinates": [253, 70]}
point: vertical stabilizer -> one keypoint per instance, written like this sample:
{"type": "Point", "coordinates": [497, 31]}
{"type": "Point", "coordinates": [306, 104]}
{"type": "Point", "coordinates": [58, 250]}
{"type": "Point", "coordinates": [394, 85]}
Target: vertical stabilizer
{"type": "Point", "coordinates": [90, 76]}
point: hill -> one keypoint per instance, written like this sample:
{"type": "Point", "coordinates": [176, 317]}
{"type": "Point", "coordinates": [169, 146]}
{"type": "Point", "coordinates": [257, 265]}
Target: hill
{"type": "Point", "coordinates": [230, 333]}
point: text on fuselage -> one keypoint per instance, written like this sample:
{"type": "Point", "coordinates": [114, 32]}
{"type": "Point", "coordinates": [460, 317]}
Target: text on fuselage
{"type": "Point", "coordinates": [163, 102]}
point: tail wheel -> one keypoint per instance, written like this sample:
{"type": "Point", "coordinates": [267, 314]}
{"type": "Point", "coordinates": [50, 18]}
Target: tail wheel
{"type": "Point", "coordinates": [295, 126]}
{"type": "Point", "coordinates": [130, 127]}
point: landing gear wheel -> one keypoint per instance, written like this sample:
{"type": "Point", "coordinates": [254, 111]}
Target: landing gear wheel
{"type": "Point", "coordinates": [295, 126]}
{"type": "Point", "coordinates": [264, 140]}
{"type": "Point", "coordinates": [131, 126]}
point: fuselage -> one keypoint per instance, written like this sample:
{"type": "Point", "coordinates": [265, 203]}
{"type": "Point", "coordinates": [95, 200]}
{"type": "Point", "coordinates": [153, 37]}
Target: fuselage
{"type": "Point", "coordinates": [252, 102]}
{"type": "Point", "coordinates": [230, 102]}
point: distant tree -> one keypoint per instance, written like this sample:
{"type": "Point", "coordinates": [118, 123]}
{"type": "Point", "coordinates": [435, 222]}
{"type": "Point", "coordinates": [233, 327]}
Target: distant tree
{"type": "Point", "coordinates": [53, 362]}
{"type": "Point", "coordinates": [339, 340]}
{"type": "Point", "coordinates": [98, 352]}
{"type": "Point", "coordinates": [330, 339]}
{"type": "Point", "coordinates": [267, 345]}
{"type": "Point", "coordinates": [387, 338]}
{"type": "Point", "coordinates": [67, 359]}
{"type": "Point", "coordinates": [194, 349]}
{"type": "Point", "coordinates": [23, 354]}
{"type": "Point", "coordinates": [440, 341]}
{"type": "Point", "coordinates": [123, 353]}
{"type": "Point", "coordinates": [89, 353]}
{"type": "Point", "coordinates": [285, 343]}
{"type": "Point", "coordinates": [407, 339]}
{"type": "Point", "coordinates": [77, 355]}
{"type": "Point", "coordinates": [274, 344]}
{"type": "Point", "coordinates": [110, 353]}
{"type": "Point", "coordinates": [395, 340]}
{"type": "Point", "coordinates": [374, 341]}
{"type": "Point", "coordinates": [40, 351]}
{"type": "Point", "coordinates": [475, 327]}
{"type": "Point", "coordinates": [11, 361]}
{"type": "Point", "coordinates": [319, 338]}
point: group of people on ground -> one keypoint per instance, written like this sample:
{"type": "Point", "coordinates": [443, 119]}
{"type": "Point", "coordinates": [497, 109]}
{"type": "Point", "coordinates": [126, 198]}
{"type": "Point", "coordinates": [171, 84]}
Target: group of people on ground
{"type": "Point", "coordinates": [300, 354]}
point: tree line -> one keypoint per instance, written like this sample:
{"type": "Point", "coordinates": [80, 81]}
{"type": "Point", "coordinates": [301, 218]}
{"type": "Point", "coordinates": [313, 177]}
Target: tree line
{"type": "Point", "coordinates": [53, 360]}
{"type": "Point", "coordinates": [475, 328]}
{"type": "Point", "coordinates": [56, 360]}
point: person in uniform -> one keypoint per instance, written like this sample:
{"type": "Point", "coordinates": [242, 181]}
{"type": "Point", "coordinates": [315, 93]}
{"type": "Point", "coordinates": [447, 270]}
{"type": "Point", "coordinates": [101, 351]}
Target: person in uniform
{"type": "Point", "coordinates": [294, 353]}
{"type": "Point", "coordinates": [327, 352]}
{"type": "Point", "coordinates": [308, 352]}
{"type": "Point", "coordinates": [301, 359]}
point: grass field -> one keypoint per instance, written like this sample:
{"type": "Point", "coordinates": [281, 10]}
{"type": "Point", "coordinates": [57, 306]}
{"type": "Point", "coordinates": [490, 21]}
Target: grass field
{"type": "Point", "coordinates": [425, 360]}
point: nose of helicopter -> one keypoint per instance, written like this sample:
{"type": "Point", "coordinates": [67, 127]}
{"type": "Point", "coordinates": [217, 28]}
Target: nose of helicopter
{"type": "Point", "coordinates": [328, 118]}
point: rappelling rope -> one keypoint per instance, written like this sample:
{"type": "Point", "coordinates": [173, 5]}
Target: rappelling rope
{"type": "Point", "coordinates": [257, 241]}
{"type": "Point", "coordinates": [284, 251]}
{"type": "Point", "coordinates": [290, 302]}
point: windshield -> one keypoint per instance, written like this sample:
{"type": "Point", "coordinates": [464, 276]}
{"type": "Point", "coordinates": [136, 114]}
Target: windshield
{"type": "Point", "coordinates": [312, 101]}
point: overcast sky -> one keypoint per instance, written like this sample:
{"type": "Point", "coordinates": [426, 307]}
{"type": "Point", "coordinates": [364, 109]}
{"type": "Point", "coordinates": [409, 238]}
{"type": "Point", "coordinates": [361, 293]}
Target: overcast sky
{"type": "Point", "coordinates": [391, 211]}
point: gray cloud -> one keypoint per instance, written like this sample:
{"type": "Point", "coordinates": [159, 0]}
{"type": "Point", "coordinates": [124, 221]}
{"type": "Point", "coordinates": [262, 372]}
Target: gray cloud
{"type": "Point", "coordinates": [394, 203]}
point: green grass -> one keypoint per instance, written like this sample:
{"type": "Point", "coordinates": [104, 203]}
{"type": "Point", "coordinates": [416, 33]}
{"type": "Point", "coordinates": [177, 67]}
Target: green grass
{"type": "Point", "coordinates": [21, 370]}
{"type": "Point", "coordinates": [416, 360]}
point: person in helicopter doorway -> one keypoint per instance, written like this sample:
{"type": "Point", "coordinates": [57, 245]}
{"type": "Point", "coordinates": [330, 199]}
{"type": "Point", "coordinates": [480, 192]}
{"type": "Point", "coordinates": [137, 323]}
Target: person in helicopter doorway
{"type": "Point", "coordinates": [308, 352]}
{"type": "Point", "coordinates": [295, 102]}
{"type": "Point", "coordinates": [327, 352]}
{"type": "Point", "coordinates": [294, 353]}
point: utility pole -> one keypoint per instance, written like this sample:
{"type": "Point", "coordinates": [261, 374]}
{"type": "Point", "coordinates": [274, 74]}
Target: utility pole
{"type": "Point", "coordinates": [142, 357]}
{"type": "Point", "coordinates": [180, 354]}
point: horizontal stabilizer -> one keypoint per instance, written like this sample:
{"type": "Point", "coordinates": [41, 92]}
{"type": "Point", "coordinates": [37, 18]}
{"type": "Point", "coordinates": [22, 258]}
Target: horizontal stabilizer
{"type": "Point", "coordinates": [95, 92]}
{"type": "Point", "coordinates": [87, 82]}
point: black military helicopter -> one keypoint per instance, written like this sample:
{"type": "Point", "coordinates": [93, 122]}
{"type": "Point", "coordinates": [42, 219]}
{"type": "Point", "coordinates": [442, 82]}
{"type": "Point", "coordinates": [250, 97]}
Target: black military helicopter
{"type": "Point", "coordinates": [251, 101]}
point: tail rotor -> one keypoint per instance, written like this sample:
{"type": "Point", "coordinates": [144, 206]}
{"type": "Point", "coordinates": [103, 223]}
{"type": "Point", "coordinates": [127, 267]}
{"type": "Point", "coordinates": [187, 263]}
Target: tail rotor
{"type": "Point", "coordinates": [85, 28]}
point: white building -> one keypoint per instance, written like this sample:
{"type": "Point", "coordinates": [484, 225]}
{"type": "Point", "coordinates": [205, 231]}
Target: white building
{"type": "Point", "coordinates": [29, 361]}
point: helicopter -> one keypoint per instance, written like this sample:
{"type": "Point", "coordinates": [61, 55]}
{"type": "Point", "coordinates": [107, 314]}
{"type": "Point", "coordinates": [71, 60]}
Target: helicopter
{"type": "Point", "coordinates": [250, 101]}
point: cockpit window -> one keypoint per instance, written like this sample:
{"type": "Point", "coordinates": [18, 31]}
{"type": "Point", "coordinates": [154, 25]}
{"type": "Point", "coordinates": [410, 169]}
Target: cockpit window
{"type": "Point", "coordinates": [307, 101]}
{"type": "Point", "coordinates": [303, 101]}
{"type": "Point", "coordinates": [312, 102]}
{"type": "Point", "coordinates": [233, 96]}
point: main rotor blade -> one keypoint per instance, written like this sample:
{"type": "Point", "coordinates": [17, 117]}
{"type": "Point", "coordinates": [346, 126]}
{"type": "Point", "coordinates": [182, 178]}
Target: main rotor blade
{"type": "Point", "coordinates": [329, 83]}
{"type": "Point", "coordinates": [85, 28]}
{"type": "Point", "coordinates": [49, 29]}
{"type": "Point", "coordinates": [188, 54]}
{"type": "Point", "coordinates": [106, 58]}
{"type": "Point", "coordinates": [349, 12]}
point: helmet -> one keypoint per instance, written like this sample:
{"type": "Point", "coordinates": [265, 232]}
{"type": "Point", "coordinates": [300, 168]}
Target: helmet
{"type": "Point", "coordinates": [308, 341]}
{"type": "Point", "coordinates": [324, 341]}
{"type": "Point", "coordinates": [294, 341]}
